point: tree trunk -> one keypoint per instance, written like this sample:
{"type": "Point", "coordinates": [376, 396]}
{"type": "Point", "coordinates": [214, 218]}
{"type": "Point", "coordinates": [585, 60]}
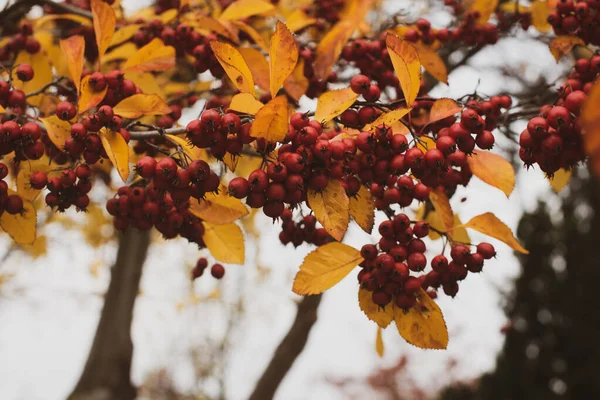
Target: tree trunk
{"type": "Point", "coordinates": [106, 375]}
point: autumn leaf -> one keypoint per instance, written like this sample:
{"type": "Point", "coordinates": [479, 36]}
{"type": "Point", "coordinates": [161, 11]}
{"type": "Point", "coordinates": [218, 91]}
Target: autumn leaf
{"type": "Point", "coordinates": [490, 225]}
{"type": "Point", "coordinates": [441, 204]}
{"type": "Point", "coordinates": [259, 66]}
{"type": "Point", "coordinates": [104, 20]}
{"type": "Point", "coordinates": [40, 23]}
{"type": "Point", "coordinates": [387, 119]}
{"type": "Point", "coordinates": [362, 209]}
{"type": "Point", "coordinates": [122, 52]}
{"type": "Point", "coordinates": [405, 60]}
{"type": "Point", "coordinates": [141, 104]}
{"type": "Point", "coordinates": [225, 242]}
{"type": "Point", "coordinates": [21, 227]}
{"type": "Point", "coordinates": [117, 151]}
{"type": "Point", "coordinates": [539, 16]}
{"type": "Point", "coordinates": [42, 76]}
{"type": "Point", "coordinates": [234, 65]}
{"type": "Point", "coordinates": [590, 121]}
{"type": "Point", "coordinates": [485, 7]}
{"type": "Point", "coordinates": [422, 325]}
{"type": "Point", "coordinates": [324, 267]}
{"type": "Point", "coordinates": [442, 109]}
{"type": "Point", "coordinates": [297, 84]}
{"type": "Point", "coordinates": [271, 121]}
{"type": "Point", "coordinates": [381, 316]}
{"type": "Point", "coordinates": [89, 97]}
{"type": "Point", "coordinates": [331, 208]}
{"type": "Point", "coordinates": [58, 130]}
{"type": "Point", "coordinates": [193, 152]}
{"type": "Point", "coordinates": [252, 33]}
{"type": "Point", "coordinates": [299, 20]}
{"type": "Point", "coordinates": [560, 46]}
{"type": "Point", "coordinates": [154, 56]}
{"type": "Point", "coordinates": [334, 102]}
{"type": "Point", "coordinates": [245, 103]}
{"type": "Point", "coordinates": [283, 56]}
{"type": "Point", "coordinates": [241, 9]}
{"type": "Point", "coordinates": [330, 47]}
{"type": "Point", "coordinates": [432, 62]}
{"type": "Point", "coordinates": [493, 170]}
{"type": "Point", "coordinates": [560, 179]}
{"type": "Point", "coordinates": [231, 161]}
{"type": "Point", "coordinates": [147, 82]}
{"type": "Point", "coordinates": [73, 49]}
{"type": "Point", "coordinates": [24, 188]}
{"type": "Point", "coordinates": [124, 33]}
{"type": "Point", "coordinates": [458, 232]}
{"type": "Point", "coordinates": [425, 143]}
{"type": "Point", "coordinates": [218, 209]}
{"type": "Point", "coordinates": [379, 348]}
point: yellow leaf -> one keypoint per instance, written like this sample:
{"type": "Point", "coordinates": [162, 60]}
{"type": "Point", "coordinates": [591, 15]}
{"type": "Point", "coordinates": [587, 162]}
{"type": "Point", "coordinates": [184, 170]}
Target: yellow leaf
{"type": "Point", "coordinates": [245, 103]}
{"type": "Point", "coordinates": [298, 20]}
{"type": "Point", "coordinates": [24, 188]}
{"type": "Point", "coordinates": [154, 56]}
{"type": "Point", "coordinates": [381, 316]}
{"type": "Point", "coordinates": [283, 56]}
{"type": "Point", "coordinates": [225, 242]}
{"type": "Point", "coordinates": [234, 65]}
{"type": "Point", "coordinates": [443, 108]}
{"type": "Point", "coordinates": [89, 97]}
{"type": "Point", "coordinates": [120, 53]}
{"type": "Point", "coordinates": [493, 170]}
{"type": "Point", "coordinates": [73, 48]}
{"type": "Point", "coordinates": [539, 16]}
{"type": "Point", "coordinates": [57, 129]}
{"type": "Point", "coordinates": [423, 325]}
{"type": "Point", "coordinates": [297, 84]}
{"type": "Point", "coordinates": [2, 110]}
{"type": "Point", "coordinates": [117, 151]}
{"type": "Point", "coordinates": [195, 153]}
{"type": "Point", "coordinates": [379, 348]}
{"type": "Point", "coordinates": [331, 208]}
{"type": "Point", "coordinates": [21, 227]}
{"type": "Point", "coordinates": [42, 76]}
{"type": "Point", "coordinates": [490, 225]}
{"type": "Point", "coordinates": [330, 47]}
{"type": "Point", "coordinates": [52, 49]}
{"type": "Point", "coordinates": [324, 267]}
{"type": "Point", "coordinates": [362, 209]}
{"type": "Point", "coordinates": [485, 7]}
{"type": "Point", "coordinates": [124, 33]}
{"type": "Point", "coordinates": [425, 143]}
{"type": "Point", "coordinates": [560, 46]}
{"type": "Point", "coordinates": [259, 66]}
{"type": "Point", "coordinates": [168, 16]}
{"type": "Point", "coordinates": [458, 232]}
{"type": "Point", "coordinates": [254, 35]}
{"type": "Point", "coordinates": [271, 121]}
{"type": "Point", "coordinates": [387, 119]}
{"type": "Point", "coordinates": [246, 8]}
{"type": "Point", "coordinates": [441, 204]}
{"type": "Point", "coordinates": [219, 208]}
{"type": "Point", "coordinates": [333, 103]}
{"type": "Point", "coordinates": [204, 24]}
{"type": "Point", "coordinates": [38, 248]}
{"type": "Point", "coordinates": [432, 62]}
{"type": "Point", "coordinates": [104, 25]}
{"type": "Point", "coordinates": [141, 104]}
{"type": "Point", "coordinates": [560, 179]}
{"type": "Point", "coordinates": [406, 64]}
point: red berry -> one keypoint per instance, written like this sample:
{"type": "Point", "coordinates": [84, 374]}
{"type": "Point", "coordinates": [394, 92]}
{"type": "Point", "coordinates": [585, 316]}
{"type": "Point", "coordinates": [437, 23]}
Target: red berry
{"type": "Point", "coordinates": [14, 204]}
{"type": "Point", "coordinates": [217, 270]}
{"type": "Point", "coordinates": [486, 250]}
{"type": "Point", "coordinates": [360, 84]}
{"type": "Point", "coordinates": [38, 180]}
{"type": "Point", "coordinates": [66, 111]}
{"type": "Point", "coordinates": [24, 72]}
{"type": "Point", "coordinates": [146, 167]}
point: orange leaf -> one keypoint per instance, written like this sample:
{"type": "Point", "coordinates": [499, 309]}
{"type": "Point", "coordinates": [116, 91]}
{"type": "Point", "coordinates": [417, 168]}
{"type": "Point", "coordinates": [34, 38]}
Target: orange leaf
{"type": "Point", "coordinates": [259, 66]}
{"type": "Point", "coordinates": [493, 170]}
{"type": "Point", "coordinates": [117, 151]}
{"type": "Point", "coordinates": [88, 97]}
{"type": "Point", "coordinates": [218, 209]}
{"type": "Point", "coordinates": [58, 130]}
{"type": "Point", "coordinates": [324, 267]}
{"type": "Point", "coordinates": [297, 84]}
{"type": "Point", "coordinates": [422, 325]}
{"type": "Point", "coordinates": [560, 179]}
{"type": "Point", "coordinates": [442, 206]}
{"type": "Point", "coordinates": [562, 45]}
{"type": "Point", "coordinates": [252, 33]}
{"type": "Point", "coordinates": [299, 20]}
{"type": "Point", "coordinates": [283, 56]}
{"type": "Point", "coordinates": [271, 121]}
{"type": "Point", "coordinates": [432, 63]}
{"type": "Point", "coordinates": [406, 64]}
{"type": "Point", "coordinates": [330, 47]}
{"type": "Point", "coordinates": [73, 48]}
{"type": "Point", "coordinates": [205, 24]}
{"type": "Point", "coordinates": [246, 8]}
{"type": "Point", "coordinates": [490, 225]}
{"type": "Point", "coordinates": [443, 108]}
{"type": "Point", "coordinates": [387, 119]}
{"type": "Point", "coordinates": [381, 316]}
{"type": "Point", "coordinates": [104, 25]}
{"type": "Point", "coordinates": [141, 104]}
{"type": "Point", "coordinates": [122, 52]}
{"type": "Point", "coordinates": [331, 208]}
{"type": "Point", "coordinates": [539, 16]}
{"type": "Point", "coordinates": [333, 103]}
{"type": "Point", "coordinates": [21, 227]}
{"type": "Point", "coordinates": [590, 120]}
{"type": "Point", "coordinates": [225, 242]}
{"type": "Point", "coordinates": [154, 56]}
{"type": "Point", "coordinates": [486, 8]}
{"type": "Point", "coordinates": [245, 103]}
{"type": "Point", "coordinates": [234, 65]}
{"type": "Point", "coordinates": [362, 209]}
{"type": "Point", "coordinates": [124, 34]}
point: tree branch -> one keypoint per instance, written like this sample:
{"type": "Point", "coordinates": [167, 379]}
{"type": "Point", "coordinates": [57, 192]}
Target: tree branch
{"type": "Point", "coordinates": [20, 8]}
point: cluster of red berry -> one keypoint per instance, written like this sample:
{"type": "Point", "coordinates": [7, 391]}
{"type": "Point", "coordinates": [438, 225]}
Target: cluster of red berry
{"type": "Point", "coordinates": [24, 139]}
{"type": "Point", "coordinates": [10, 203]}
{"type": "Point", "coordinates": [216, 270]}
{"type": "Point", "coordinates": [580, 18]}
{"type": "Point", "coordinates": [326, 10]}
{"type": "Point", "coordinates": [70, 188]}
{"type": "Point", "coordinates": [304, 231]}
{"type": "Point", "coordinates": [22, 40]}
{"type": "Point", "coordinates": [554, 139]}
